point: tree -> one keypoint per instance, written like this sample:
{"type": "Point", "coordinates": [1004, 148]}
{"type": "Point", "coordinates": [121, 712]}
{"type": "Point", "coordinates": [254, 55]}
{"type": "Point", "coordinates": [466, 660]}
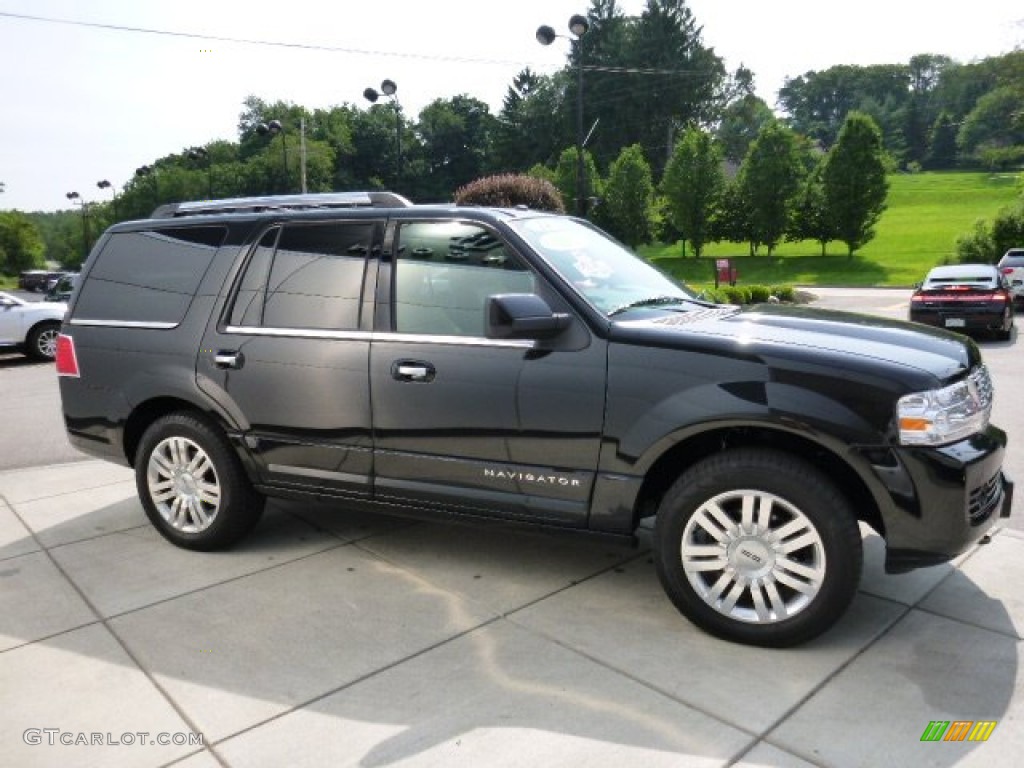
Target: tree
{"type": "Point", "coordinates": [855, 183]}
{"type": "Point", "coordinates": [628, 194]}
{"type": "Point", "coordinates": [644, 77]}
{"type": "Point", "coordinates": [993, 122]}
{"type": "Point", "coordinates": [770, 178]}
{"type": "Point", "coordinates": [810, 219]}
{"type": "Point", "coordinates": [456, 142]}
{"type": "Point", "coordinates": [731, 221]}
{"type": "Point", "coordinates": [565, 176]}
{"type": "Point", "coordinates": [529, 129]}
{"type": "Point", "coordinates": [21, 245]}
{"type": "Point", "coordinates": [741, 121]}
{"type": "Point", "coordinates": [942, 144]}
{"type": "Point", "coordinates": [692, 184]}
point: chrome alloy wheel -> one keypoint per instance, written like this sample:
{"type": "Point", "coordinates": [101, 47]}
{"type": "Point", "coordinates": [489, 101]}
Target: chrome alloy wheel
{"type": "Point", "coordinates": [183, 484]}
{"type": "Point", "coordinates": [46, 343]}
{"type": "Point", "coordinates": [753, 557]}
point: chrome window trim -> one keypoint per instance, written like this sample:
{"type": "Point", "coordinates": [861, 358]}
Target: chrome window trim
{"type": "Point", "coordinates": [148, 325]}
{"type": "Point", "coordinates": [455, 341]}
{"type": "Point", "coordinates": [378, 336]}
{"type": "Point", "coordinates": [299, 333]}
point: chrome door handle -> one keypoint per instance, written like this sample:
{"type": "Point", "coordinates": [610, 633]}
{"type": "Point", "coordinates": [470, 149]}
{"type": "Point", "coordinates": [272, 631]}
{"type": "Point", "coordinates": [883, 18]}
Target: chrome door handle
{"type": "Point", "coordinates": [409, 370]}
{"type": "Point", "coordinates": [228, 359]}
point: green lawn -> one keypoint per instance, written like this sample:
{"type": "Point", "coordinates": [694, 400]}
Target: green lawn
{"type": "Point", "coordinates": [926, 213]}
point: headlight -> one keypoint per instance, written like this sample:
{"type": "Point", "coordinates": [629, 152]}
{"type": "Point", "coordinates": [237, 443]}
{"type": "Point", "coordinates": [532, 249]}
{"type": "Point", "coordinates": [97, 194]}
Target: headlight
{"type": "Point", "coordinates": [941, 416]}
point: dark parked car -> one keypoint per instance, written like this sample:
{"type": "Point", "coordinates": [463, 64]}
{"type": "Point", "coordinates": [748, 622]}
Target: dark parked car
{"type": "Point", "coordinates": [60, 288]}
{"type": "Point", "coordinates": [36, 279]}
{"type": "Point", "coordinates": [1012, 267]}
{"type": "Point", "coordinates": [481, 364]}
{"type": "Point", "coordinates": [965, 298]}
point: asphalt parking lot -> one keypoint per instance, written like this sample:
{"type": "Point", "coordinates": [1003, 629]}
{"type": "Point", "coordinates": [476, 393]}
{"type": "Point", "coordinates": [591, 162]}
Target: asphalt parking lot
{"type": "Point", "coordinates": [329, 638]}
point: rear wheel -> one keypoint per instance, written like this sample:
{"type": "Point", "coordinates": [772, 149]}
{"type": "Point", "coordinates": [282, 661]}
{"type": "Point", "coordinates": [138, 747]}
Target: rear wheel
{"type": "Point", "coordinates": [192, 484]}
{"type": "Point", "coordinates": [758, 547]}
{"type": "Point", "coordinates": [1006, 331]}
{"type": "Point", "coordinates": [42, 341]}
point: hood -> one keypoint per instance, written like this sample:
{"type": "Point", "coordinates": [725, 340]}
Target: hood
{"type": "Point", "coordinates": [51, 306]}
{"type": "Point", "coordinates": [810, 335]}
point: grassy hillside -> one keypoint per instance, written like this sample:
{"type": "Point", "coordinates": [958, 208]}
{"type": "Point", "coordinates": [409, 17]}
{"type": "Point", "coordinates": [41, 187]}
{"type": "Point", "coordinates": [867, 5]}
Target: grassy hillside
{"type": "Point", "coordinates": [926, 213]}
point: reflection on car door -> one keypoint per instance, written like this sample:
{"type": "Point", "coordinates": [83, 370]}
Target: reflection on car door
{"type": "Point", "coordinates": [471, 424]}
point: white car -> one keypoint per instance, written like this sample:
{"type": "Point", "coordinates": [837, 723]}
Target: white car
{"type": "Point", "coordinates": [30, 326]}
{"type": "Point", "coordinates": [1012, 267]}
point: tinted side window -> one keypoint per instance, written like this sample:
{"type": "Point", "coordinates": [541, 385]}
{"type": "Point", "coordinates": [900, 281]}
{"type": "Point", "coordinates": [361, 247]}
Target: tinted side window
{"type": "Point", "coordinates": [312, 280]}
{"type": "Point", "coordinates": [247, 308]}
{"type": "Point", "coordinates": [444, 273]}
{"type": "Point", "coordinates": [148, 276]}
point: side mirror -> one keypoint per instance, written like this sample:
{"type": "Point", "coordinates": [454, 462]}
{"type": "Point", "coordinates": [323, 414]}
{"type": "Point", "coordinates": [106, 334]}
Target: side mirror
{"type": "Point", "coordinates": [523, 316]}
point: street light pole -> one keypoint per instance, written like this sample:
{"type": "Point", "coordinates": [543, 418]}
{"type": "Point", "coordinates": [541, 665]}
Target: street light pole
{"type": "Point", "coordinates": [150, 170]}
{"type": "Point", "coordinates": [200, 153]}
{"type": "Point", "coordinates": [579, 26]}
{"type": "Point", "coordinates": [275, 127]}
{"type": "Point", "coordinates": [389, 88]}
{"type": "Point", "coordinates": [77, 198]}
{"type": "Point", "coordinates": [113, 191]}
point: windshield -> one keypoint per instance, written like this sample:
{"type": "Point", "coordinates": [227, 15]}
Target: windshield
{"type": "Point", "coordinates": [604, 272]}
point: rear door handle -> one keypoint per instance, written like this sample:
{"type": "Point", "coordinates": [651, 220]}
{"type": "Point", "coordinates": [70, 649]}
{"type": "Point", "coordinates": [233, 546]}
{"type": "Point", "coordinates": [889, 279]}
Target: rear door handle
{"type": "Point", "coordinates": [225, 358]}
{"type": "Point", "coordinates": [413, 370]}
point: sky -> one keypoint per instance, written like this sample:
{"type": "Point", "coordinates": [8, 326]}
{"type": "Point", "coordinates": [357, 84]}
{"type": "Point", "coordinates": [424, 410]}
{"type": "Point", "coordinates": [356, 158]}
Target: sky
{"type": "Point", "coordinates": [86, 103]}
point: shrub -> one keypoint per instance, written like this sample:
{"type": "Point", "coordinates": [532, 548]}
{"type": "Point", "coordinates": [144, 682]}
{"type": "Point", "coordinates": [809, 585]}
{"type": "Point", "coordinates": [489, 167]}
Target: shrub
{"type": "Point", "coordinates": [736, 294]}
{"type": "Point", "coordinates": [976, 246]}
{"type": "Point", "coordinates": [759, 294]}
{"type": "Point", "coordinates": [784, 292]}
{"type": "Point", "coordinates": [509, 190]}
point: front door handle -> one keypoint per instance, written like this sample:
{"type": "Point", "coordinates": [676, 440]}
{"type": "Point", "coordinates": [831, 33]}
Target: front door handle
{"type": "Point", "coordinates": [226, 358]}
{"type": "Point", "coordinates": [413, 370]}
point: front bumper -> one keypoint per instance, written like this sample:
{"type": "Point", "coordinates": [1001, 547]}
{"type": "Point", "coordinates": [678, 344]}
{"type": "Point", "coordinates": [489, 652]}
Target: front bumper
{"type": "Point", "coordinates": [944, 499]}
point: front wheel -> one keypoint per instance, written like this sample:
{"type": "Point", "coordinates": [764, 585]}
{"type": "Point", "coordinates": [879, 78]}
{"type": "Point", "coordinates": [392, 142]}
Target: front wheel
{"type": "Point", "coordinates": [758, 547]}
{"type": "Point", "coordinates": [192, 484]}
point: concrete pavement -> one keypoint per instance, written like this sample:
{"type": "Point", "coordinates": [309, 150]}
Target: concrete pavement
{"type": "Point", "coordinates": [336, 639]}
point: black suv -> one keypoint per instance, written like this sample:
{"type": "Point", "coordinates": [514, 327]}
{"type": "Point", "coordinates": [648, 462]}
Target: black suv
{"type": "Point", "coordinates": [483, 364]}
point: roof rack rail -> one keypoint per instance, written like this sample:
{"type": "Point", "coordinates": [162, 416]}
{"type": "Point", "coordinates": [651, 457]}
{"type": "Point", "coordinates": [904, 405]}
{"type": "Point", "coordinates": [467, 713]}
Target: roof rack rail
{"type": "Point", "coordinates": [282, 203]}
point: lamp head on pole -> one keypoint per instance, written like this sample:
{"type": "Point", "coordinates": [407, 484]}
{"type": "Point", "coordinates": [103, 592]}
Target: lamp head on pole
{"type": "Point", "coordinates": [274, 127]}
{"type": "Point", "coordinates": [389, 87]}
{"type": "Point", "coordinates": [578, 25]}
{"type": "Point", "coordinates": [545, 35]}
{"type": "Point", "coordinates": [371, 95]}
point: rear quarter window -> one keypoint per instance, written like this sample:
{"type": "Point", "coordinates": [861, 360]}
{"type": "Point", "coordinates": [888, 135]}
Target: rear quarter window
{"type": "Point", "coordinates": [148, 276]}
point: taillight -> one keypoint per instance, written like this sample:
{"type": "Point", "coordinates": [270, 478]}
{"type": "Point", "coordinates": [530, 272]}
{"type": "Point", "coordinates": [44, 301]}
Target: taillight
{"type": "Point", "coordinates": [1007, 270]}
{"type": "Point", "coordinates": [67, 360]}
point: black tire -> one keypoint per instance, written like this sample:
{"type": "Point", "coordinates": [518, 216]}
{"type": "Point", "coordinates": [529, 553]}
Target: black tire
{"type": "Point", "coordinates": [192, 484]}
{"type": "Point", "coordinates": [740, 580]}
{"type": "Point", "coordinates": [1006, 333]}
{"type": "Point", "coordinates": [41, 343]}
